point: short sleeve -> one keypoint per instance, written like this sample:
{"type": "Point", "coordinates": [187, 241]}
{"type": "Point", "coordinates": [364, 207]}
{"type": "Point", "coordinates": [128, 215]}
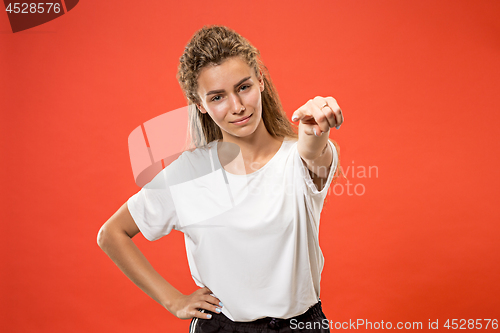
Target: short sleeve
{"type": "Point", "coordinates": [153, 210]}
{"type": "Point", "coordinates": [314, 197]}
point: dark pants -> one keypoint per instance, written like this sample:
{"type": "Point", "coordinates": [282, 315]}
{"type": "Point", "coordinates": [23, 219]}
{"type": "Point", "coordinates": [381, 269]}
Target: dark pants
{"type": "Point", "coordinates": [313, 321]}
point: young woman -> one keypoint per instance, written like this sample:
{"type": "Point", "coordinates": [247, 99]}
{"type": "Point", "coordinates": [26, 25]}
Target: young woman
{"type": "Point", "coordinates": [251, 225]}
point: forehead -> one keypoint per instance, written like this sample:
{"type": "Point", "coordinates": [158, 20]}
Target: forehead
{"type": "Point", "coordinates": [229, 72]}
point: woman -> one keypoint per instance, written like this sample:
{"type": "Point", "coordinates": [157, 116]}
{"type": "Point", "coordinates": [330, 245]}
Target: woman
{"type": "Point", "coordinates": [252, 243]}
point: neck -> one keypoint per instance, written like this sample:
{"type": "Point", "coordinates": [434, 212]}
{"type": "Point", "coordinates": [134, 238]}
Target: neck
{"type": "Point", "coordinates": [257, 145]}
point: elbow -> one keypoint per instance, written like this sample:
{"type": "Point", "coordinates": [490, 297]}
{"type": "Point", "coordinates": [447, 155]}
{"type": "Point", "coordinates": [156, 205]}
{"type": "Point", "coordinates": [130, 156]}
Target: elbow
{"type": "Point", "coordinates": [102, 237]}
{"type": "Point", "coordinates": [109, 236]}
{"type": "Point", "coordinates": [118, 227]}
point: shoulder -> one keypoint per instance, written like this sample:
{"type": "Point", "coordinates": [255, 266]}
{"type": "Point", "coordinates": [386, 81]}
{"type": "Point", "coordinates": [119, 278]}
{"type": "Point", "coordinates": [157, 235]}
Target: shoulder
{"type": "Point", "coordinates": [289, 141]}
{"type": "Point", "coordinates": [289, 145]}
{"type": "Point", "coordinates": [188, 165]}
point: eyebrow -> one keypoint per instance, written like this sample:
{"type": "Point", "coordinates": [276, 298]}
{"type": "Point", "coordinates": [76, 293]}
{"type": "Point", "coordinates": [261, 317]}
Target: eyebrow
{"type": "Point", "coordinates": [211, 92]}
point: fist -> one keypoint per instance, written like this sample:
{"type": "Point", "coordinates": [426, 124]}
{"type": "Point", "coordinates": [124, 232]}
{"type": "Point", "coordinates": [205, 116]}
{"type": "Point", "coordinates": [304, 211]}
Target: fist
{"type": "Point", "coordinates": [318, 115]}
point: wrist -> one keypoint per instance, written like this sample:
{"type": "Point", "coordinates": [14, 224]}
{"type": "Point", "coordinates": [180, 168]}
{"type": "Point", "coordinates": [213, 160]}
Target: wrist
{"type": "Point", "coordinates": [170, 298]}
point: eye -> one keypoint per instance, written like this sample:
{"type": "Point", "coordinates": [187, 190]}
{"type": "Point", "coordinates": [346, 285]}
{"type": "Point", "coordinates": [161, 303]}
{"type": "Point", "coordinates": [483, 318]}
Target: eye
{"type": "Point", "coordinates": [244, 87]}
{"type": "Point", "coordinates": [216, 98]}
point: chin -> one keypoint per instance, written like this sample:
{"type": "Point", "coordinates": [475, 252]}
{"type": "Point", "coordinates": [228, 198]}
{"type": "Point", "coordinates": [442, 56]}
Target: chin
{"type": "Point", "coordinates": [243, 132]}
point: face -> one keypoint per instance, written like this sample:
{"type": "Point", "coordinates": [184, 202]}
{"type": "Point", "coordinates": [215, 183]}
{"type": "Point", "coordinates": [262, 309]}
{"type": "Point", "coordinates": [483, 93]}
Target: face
{"type": "Point", "coordinates": [231, 94]}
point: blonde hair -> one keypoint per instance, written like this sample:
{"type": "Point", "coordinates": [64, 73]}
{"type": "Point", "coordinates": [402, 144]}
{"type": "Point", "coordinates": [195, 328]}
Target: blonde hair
{"type": "Point", "coordinates": [211, 45]}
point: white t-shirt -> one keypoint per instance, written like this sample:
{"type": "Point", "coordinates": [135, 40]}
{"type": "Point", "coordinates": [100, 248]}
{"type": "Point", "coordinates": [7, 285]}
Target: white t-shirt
{"type": "Point", "coordinates": [251, 239]}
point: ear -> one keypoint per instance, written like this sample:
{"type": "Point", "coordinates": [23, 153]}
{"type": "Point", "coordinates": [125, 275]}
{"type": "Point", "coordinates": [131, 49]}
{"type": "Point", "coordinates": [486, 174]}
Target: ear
{"type": "Point", "coordinates": [201, 108]}
{"type": "Point", "coordinates": [261, 82]}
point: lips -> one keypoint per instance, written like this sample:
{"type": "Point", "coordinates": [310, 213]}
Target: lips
{"type": "Point", "coordinates": [241, 119]}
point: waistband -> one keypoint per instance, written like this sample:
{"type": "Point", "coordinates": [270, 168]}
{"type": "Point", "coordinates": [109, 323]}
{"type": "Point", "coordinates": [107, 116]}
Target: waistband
{"type": "Point", "coordinates": [313, 312]}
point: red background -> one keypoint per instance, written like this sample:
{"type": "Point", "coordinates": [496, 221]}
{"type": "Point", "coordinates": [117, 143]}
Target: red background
{"type": "Point", "coordinates": [418, 82]}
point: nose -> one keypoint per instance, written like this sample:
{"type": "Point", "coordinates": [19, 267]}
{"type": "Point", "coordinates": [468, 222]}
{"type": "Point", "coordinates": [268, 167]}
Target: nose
{"type": "Point", "coordinates": [236, 104]}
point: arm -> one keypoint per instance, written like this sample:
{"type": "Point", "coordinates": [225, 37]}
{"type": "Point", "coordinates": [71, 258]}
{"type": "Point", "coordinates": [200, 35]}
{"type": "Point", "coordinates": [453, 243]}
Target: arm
{"type": "Point", "coordinates": [319, 167]}
{"type": "Point", "coordinates": [316, 117]}
{"type": "Point", "coordinates": [115, 239]}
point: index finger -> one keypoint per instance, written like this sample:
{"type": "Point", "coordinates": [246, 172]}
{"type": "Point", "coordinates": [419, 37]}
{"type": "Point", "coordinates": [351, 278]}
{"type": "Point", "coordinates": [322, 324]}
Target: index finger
{"type": "Point", "coordinates": [301, 113]}
{"type": "Point", "coordinates": [211, 297]}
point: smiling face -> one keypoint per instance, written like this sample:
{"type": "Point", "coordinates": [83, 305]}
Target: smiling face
{"type": "Point", "coordinates": [231, 94]}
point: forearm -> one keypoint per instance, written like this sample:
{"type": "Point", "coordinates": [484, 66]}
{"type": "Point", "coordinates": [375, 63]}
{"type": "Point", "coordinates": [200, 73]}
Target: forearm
{"type": "Point", "coordinates": [317, 115]}
{"type": "Point", "coordinates": [311, 146]}
{"type": "Point", "coordinates": [316, 152]}
{"type": "Point", "coordinates": [127, 256]}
